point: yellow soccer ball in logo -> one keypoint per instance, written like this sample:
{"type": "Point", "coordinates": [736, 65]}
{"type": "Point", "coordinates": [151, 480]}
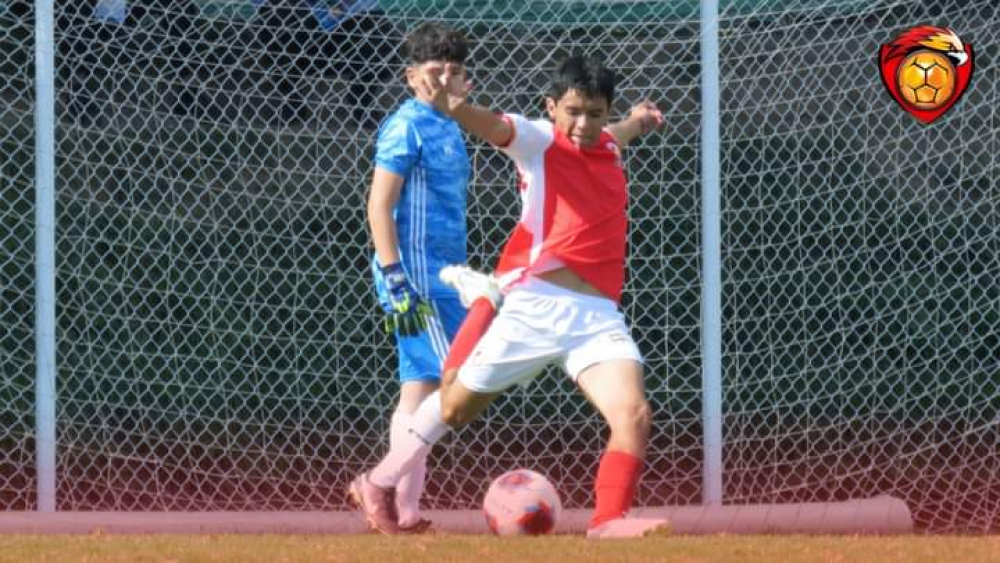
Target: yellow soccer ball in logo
{"type": "Point", "coordinates": [926, 79]}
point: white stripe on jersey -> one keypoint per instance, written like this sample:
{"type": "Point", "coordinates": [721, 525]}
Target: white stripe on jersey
{"type": "Point", "coordinates": [534, 138]}
{"type": "Point", "coordinates": [425, 191]}
{"type": "Point", "coordinates": [417, 227]}
{"type": "Point", "coordinates": [439, 340]}
{"type": "Point", "coordinates": [412, 243]}
{"type": "Point", "coordinates": [418, 235]}
{"type": "Point", "coordinates": [417, 213]}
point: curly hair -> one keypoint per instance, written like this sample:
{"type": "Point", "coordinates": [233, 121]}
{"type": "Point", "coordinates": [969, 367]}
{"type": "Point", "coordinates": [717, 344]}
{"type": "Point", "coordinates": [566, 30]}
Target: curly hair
{"type": "Point", "coordinates": [436, 42]}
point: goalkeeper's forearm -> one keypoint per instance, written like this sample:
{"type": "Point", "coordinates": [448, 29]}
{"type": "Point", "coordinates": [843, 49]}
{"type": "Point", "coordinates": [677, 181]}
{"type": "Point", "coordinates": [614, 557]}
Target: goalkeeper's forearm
{"type": "Point", "coordinates": [385, 191]}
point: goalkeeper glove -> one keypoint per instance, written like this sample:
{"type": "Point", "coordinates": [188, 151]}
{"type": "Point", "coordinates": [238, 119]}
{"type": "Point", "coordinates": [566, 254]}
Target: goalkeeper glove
{"type": "Point", "coordinates": [406, 312]}
{"type": "Point", "coordinates": [472, 285]}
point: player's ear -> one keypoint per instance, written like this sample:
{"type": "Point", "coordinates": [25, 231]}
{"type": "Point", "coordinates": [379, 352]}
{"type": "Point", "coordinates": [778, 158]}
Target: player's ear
{"type": "Point", "coordinates": [550, 106]}
{"type": "Point", "coordinates": [410, 74]}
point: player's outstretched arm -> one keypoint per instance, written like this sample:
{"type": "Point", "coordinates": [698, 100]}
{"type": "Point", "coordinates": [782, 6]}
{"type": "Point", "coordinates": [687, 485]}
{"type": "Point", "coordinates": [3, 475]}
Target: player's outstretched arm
{"type": "Point", "coordinates": [451, 98]}
{"type": "Point", "coordinates": [644, 118]}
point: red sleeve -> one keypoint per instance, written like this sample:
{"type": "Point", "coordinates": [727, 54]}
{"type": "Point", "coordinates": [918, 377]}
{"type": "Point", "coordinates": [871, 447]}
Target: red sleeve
{"type": "Point", "coordinates": [476, 322]}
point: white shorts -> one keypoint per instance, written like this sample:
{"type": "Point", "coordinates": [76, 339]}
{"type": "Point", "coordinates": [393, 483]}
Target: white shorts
{"type": "Point", "coordinates": [540, 324]}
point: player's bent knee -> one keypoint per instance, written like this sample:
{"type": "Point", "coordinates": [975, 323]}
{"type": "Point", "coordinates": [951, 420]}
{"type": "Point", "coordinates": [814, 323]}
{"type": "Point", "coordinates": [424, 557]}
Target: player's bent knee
{"type": "Point", "coordinates": [455, 412]}
{"type": "Point", "coordinates": [455, 416]}
{"type": "Point", "coordinates": [448, 377]}
{"type": "Point", "coordinates": [460, 406]}
{"type": "Point", "coordinates": [645, 417]}
{"type": "Point", "coordinates": [634, 418]}
{"type": "Point", "coordinates": [630, 426]}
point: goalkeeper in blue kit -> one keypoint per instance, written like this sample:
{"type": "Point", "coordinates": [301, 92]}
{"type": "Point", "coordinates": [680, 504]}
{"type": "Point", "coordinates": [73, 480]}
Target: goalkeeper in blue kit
{"type": "Point", "coordinates": [416, 213]}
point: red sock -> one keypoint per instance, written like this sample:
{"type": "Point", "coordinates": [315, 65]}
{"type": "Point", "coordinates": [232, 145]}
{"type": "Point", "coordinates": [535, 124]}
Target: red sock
{"type": "Point", "coordinates": [477, 320]}
{"type": "Point", "coordinates": [617, 477]}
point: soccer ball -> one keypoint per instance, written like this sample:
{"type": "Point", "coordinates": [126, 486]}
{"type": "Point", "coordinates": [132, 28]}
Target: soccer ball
{"type": "Point", "coordinates": [521, 502]}
{"type": "Point", "coordinates": [926, 79]}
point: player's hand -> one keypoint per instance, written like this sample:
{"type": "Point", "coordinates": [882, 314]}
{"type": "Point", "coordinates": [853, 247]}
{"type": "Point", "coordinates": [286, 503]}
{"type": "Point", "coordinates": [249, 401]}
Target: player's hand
{"type": "Point", "coordinates": [406, 313]}
{"type": "Point", "coordinates": [410, 323]}
{"type": "Point", "coordinates": [647, 115]}
{"type": "Point", "coordinates": [448, 92]}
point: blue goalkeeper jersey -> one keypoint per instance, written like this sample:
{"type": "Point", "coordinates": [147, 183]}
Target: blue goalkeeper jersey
{"type": "Point", "coordinates": [426, 147]}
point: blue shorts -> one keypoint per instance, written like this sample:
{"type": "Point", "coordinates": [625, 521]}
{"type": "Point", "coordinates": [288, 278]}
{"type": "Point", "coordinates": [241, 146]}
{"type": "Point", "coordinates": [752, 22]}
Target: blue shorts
{"type": "Point", "coordinates": [421, 356]}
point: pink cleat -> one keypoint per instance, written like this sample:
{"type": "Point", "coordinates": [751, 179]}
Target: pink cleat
{"type": "Point", "coordinates": [625, 528]}
{"type": "Point", "coordinates": [377, 504]}
{"type": "Point", "coordinates": [422, 526]}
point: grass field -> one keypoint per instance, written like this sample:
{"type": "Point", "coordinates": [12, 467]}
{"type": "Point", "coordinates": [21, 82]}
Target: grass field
{"type": "Point", "coordinates": [481, 549]}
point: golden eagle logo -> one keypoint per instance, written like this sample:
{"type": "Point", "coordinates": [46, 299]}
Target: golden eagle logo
{"type": "Point", "coordinates": [926, 69]}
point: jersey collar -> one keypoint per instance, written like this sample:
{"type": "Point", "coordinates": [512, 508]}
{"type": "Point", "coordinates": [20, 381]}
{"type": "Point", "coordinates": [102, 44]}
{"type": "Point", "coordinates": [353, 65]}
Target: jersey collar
{"type": "Point", "coordinates": [428, 108]}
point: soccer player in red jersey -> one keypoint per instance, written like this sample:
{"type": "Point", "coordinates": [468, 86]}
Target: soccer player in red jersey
{"type": "Point", "coordinates": [566, 258]}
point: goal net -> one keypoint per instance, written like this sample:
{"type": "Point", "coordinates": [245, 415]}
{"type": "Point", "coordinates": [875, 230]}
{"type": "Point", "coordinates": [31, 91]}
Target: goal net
{"type": "Point", "coordinates": [218, 339]}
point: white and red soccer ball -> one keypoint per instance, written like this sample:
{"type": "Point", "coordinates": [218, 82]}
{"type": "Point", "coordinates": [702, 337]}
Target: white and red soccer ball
{"type": "Point", "coordinates": [522, 502]}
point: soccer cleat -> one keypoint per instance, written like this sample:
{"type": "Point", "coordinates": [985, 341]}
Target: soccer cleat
{"type": "Point", "coordinates": [422, 526]}
{"type": "Point", "coordinates": [624, 528]}
{"type": "Point", "coordinates": [472, 285]}
{"type": "Point", "coordinates": [377, 504]}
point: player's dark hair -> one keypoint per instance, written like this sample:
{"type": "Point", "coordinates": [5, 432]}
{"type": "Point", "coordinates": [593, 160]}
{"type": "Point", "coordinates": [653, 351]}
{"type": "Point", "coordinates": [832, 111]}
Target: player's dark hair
{"type": "Point", "coordinates": [434, 41]}
{"type": "Point", "coordinates": [587, 75]}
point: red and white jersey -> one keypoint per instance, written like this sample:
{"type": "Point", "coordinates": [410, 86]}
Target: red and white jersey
{"type": "Point", "coordinates": [573, 206]}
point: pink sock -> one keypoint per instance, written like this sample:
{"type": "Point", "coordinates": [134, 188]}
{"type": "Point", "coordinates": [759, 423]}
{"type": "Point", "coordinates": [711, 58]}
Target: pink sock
{"type": "Point", "coordinates": [426, 428]}
{"type": "Point", "coordinates": [410, 487]}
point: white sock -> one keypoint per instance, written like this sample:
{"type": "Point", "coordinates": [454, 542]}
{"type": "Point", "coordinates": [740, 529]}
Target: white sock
{"type": "Point", "coordinates": [426, 428]}
{"type": "Point", "coordinates": [410, 487]}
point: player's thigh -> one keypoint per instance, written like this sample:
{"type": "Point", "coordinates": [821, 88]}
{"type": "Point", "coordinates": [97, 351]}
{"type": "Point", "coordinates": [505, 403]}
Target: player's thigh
{"type": "Point", "coordinates": [603, 338]}
{"type": "Point", "coordinates": [413, 392]}
{"type": "Point", "coordinates": [616, 389]}
{"type": "Point", "coordinates": [460, 405]}
{"type": "Point", "coordinates": [514, 349]}
{"type": "Point", "coordinates": [494, 365]}
{"type": "Point", "coordinates": [607, 365]}
{"type": "Point", "coordinates": [497, 377]}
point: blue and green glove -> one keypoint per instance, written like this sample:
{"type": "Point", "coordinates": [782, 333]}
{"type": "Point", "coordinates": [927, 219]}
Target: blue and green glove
{"type": "Point", "coordinates": [406, 312]}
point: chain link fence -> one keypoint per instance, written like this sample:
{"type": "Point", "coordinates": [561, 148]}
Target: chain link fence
{"type": "Point", "coordinates": [218, 338]}
{"type": "Point", "coordinates": [861, 264]}
{"type": "Point", "coordinates": [17, 194]}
